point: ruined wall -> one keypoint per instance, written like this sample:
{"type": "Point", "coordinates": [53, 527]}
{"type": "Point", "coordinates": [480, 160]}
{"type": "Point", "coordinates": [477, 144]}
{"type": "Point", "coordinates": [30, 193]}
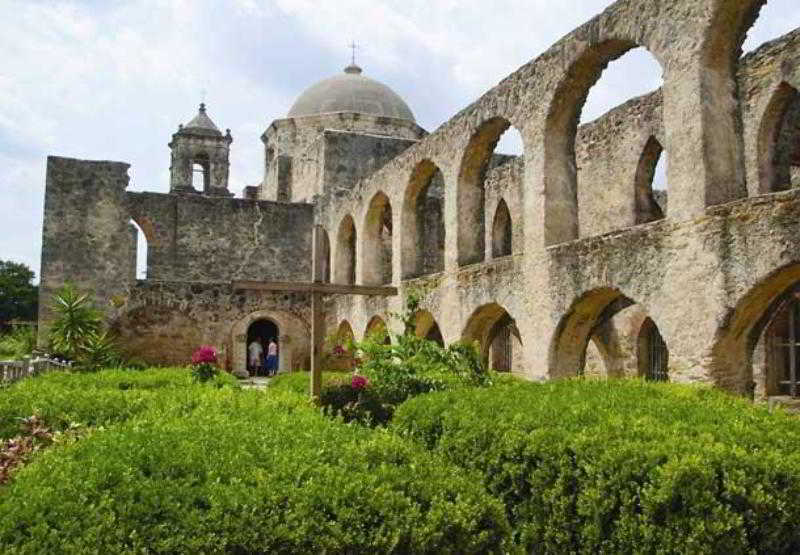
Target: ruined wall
{"type": "Point", "coordinates": [86, 239]}
{"type": "Point", "coordinates": [196, 238]}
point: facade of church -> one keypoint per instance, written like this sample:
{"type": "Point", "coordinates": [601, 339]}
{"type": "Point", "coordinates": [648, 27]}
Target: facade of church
{"type": "Point", "coordinates": [559, 262]}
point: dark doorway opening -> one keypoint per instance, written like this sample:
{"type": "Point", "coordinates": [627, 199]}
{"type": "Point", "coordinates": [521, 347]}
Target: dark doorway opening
{"type": "Point", "coordinates": [261, 331]}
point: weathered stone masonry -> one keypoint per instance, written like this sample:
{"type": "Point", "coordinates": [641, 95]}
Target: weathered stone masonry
{"type": "Point", "coordinates": [536, 256]}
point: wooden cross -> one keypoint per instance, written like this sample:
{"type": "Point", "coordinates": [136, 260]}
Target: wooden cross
{"type": "Point", "coordinates": [318, 288]}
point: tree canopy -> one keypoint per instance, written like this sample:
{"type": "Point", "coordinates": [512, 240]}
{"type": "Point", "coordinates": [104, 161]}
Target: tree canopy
{"type": "Point", "coordinates": [19, 297]}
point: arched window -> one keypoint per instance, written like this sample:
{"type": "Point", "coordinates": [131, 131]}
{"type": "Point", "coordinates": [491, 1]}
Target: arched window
{"type": "Point", "coordinates": [377, 242]}
{"type": "Point", "coordinates": [501, 231]}
{"type": "Point", "coordinates": [779, 141]}
{"type": "Point", "coordinates": [423, 222]}
{"type": "Point", "coordinates": [782, 346]}
{"type": "Point", "coordinates": [478, 160]}
{"type": "Point", "coordinates": [647, 207]}
{"type": "Point", "coordinates": [497, 335]}
{"type": "Point", "coordinates": [377, 331]}
{"type": "Point", "coordinates": [652, 353]}
{"type": "Point", "coordinates": [581, 97]}
{"type": "Point", "coordinates": [775, 19]}
{"type": "Point", "coordinates": [326, 255]}
{"type": "Point", "coordinates": [345, 269]}
{"type": "Point", "coordinates": [201, 175]}
{"type": "Point", "coordinates": [139, 251]}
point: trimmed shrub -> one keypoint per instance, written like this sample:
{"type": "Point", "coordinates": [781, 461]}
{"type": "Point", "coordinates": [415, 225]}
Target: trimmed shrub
{"type": "Point", "coordinates": [65, 399]}
{"type": "Point", "coordinates": [245, 472]}
{"type": "Point", "coordinates": [623, 466]}
{"type": "Point", "coordinates": [299, 382]}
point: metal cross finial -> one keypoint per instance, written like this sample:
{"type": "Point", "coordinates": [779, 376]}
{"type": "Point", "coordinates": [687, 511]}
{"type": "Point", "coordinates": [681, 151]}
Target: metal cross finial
{"type": "Point", "coordinates": [352, 46]}
{"type": "Point", "coordinates": [203, 95]}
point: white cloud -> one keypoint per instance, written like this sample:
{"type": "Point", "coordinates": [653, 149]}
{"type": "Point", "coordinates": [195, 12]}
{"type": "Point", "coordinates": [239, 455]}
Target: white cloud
{"type": "Point", "coordinates": [112, 80]}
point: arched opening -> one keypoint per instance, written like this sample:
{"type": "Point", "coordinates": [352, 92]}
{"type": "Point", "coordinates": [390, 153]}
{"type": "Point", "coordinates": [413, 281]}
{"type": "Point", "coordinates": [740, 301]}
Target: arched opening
{"type": "Point", "coordinates": [498, 337]}
{"type": "Point", "coordinates": [779, 141]}
{"type": "Point", "coordinates": [425, 326]}
{"type": "Point", "coordinates": [345, 269]}
{"type": "Point", "coordinates": [775, 19]}
{"type": "Point", "coordinates": [652, 353]}
{"type": "Point", "coordinates": [326, 255]}
{"type": "Point", "coordinates": [260, 332]}
{"type": "Point", "coordinates": [478, 162]}
{"type": "Point", "coordinates": [760, 319]}
{"type": "Point", "coordinates": [780, 358]}
{"type": "Point", "coordinates": [587, 319]}
{"type": "Point", "coordinates": [423, 222]}
{"type": "Point", "coordinates": [569, 106]}
{"type": "Point", "coordinates": [344, 334]}
{"type": "Point", "coordinates": [201, 175]}
{"type": "Point", "coordinates": [376, 240]}
{"type": "Point", "coordinates": [646, 204]}
{"type": "Point", "coordinates": [377, 331]}
{"type": "Point", "coordinates": [501, 231]}
{"type": "Point", "coordinates": [139, 251]}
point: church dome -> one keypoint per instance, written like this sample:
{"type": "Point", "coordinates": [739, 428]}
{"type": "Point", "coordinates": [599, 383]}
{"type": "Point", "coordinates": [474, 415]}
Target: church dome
{"type": "Point", "coordinates": [351, 92]}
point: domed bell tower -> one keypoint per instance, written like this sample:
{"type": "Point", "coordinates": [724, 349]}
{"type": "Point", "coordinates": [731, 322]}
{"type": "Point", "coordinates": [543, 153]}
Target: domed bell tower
{"type": "Point", "coordinates": [199, 163]}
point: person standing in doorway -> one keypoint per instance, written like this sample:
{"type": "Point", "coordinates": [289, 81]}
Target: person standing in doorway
{"type": "Point", "coordinates": [272, 357]}
{"type": "Point", "coordinates": [254, 351]}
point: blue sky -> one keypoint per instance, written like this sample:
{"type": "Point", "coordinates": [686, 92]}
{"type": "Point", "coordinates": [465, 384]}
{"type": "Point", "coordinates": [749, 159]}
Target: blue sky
{"type": "Point", "coordinates": [112, 79]}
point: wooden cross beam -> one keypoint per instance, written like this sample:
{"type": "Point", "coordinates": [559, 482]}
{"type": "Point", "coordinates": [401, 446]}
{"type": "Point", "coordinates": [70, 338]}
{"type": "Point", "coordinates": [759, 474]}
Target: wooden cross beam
{"type": "Point", "coordinates": [318, 288]}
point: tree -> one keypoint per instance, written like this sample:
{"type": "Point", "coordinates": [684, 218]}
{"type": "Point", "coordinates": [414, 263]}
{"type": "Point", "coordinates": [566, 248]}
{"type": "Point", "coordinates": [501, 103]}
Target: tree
{"type": "Point", "coordinates": [19, 298]}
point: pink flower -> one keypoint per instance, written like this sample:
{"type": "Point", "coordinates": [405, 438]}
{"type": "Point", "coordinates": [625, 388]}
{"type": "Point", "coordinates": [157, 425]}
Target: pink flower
{"type": "Point", "coordinates": [205, 354]}
{"type": "Point", "coordinates": [338, 350]}
{"type": "Point", "coordinates": [359, 382]}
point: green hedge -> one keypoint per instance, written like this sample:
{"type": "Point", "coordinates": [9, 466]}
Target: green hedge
{"type": "Point", "coordinates": [300, 382]}
{"type": "Point", "coordinates": [623, 466]}
{"type": "Point", "coordinates": [245, 472]}
{"type": "Point", "coordinates": [64, 399]}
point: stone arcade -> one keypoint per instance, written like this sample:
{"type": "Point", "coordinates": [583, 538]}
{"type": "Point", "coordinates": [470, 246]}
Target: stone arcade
{"type": "Point", "coordinates": [558, 262]}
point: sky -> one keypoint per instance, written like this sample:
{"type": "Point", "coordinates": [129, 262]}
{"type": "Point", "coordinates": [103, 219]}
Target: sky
{"type": "Point", "coordinates": [112, 79]}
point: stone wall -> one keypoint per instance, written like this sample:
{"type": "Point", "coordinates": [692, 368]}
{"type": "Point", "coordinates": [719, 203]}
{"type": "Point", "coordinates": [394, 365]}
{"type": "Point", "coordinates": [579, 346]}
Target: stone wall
{"type": "Point", "coordinates": [164, 322]}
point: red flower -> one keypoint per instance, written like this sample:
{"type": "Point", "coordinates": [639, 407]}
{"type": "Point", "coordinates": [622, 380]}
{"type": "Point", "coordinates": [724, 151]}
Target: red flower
{"type": "Point", "coordinates": [338, 350]}
{"type": "Point", "coordinates": [205, 354]}
{"type": "Point", "coordinates": [359, 382]}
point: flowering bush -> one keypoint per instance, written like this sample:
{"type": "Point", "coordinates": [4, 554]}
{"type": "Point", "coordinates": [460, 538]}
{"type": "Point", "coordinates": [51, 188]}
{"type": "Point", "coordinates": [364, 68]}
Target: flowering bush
{"type": "Point", "coordinates": [205, 354]}
{"type": "Point", "coordinates": [359, 382]}
{"type": "Point", "coordinates": [339, 351]}
{"type": "Point", "coordinates": [204, 363]}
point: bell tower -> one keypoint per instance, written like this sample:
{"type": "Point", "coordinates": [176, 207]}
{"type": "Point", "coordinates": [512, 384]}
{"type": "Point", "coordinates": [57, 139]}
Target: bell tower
{"type": "Point", "coordinates": [199, 161]}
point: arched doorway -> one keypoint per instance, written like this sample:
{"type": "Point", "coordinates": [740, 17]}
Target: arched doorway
{"type": "Point", "coordinates": [262, 330]}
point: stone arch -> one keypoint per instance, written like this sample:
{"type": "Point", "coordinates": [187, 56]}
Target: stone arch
{"type": "Point", "coordinates": [293, 341]}
{"type": "Point", "coordinates": [723, 144]}
{"type": "Point", "coordinates": [470, 193]}
{"type": "Point", "coordinates": [423, 233]}
{"type": "Point", "coordinates": [587, 315]}
{"type": "Point", "coordinates": [561, 126]}
{"type": "Point", "coordinates": [772, 174]}
{"type": "Point", "coordinates": [652, 355]}
{"type": "Point", "coordinates": [736, 339]}
{"type": "Point", "coordinates": [376, 242]}
{"type": "Point", "coordinates": [426, 327]}
{"type": "Point", "coordinates": [501, 231]}
{"type": "Point", "coordinates": [490, 325]}
{"type": "Point", "coordinates": [139, 251]}
{"type": "Point", "coordinates": [345, 259]}
{"type": "Point", "coordinates": [344, 333]}
{"type": "Point", "coordinates": [376, 327]}
{"type": "Point", "coordinates": [646, 209]}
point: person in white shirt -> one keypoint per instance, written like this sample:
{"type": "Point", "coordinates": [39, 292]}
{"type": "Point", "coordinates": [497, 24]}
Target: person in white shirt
{"type": "Point", "coordinates": [255, 350]}
{"type": "Point", "coordinates": [272, 358]}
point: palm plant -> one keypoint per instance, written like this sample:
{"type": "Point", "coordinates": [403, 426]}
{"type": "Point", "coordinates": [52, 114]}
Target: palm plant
{"type": "Point", "coordinates": [77, 320]}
